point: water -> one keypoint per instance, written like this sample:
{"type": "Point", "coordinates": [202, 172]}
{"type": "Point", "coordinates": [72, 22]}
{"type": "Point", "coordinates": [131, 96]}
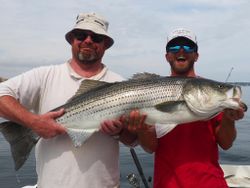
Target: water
{"type": "Point", "coordinates": [238, 154]}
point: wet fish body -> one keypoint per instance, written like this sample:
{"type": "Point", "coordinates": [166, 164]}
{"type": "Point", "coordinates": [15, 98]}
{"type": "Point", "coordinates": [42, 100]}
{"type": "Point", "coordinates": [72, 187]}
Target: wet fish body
{"type": "Point", "coordinates": [165, 100]}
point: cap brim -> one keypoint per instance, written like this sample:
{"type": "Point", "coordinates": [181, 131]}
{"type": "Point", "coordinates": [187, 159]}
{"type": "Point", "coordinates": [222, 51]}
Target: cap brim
{"type": "Point", "coordinates": [181, 37]}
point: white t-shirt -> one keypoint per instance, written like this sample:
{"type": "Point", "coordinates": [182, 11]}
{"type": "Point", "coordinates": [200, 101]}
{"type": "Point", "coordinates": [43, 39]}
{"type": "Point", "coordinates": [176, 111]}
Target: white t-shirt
{"type": "Point", "coordinates": [58, 163]}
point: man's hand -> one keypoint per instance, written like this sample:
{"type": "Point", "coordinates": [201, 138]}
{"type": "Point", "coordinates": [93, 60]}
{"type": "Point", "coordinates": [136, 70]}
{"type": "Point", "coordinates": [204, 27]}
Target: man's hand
{"type": "Point", "coordinates": [144, 133]}
{"type": "Point", "coordinates": [135, 122]}
{"type": "Point", "coordinates": [234, 115]}
{"type": "Point", "coordinates": [111, 127]}
{"type": "Point", "coordinates": [45, 125]}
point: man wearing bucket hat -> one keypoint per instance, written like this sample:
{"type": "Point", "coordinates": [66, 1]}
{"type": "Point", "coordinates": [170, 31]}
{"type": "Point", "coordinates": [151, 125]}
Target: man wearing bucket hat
{"type": "Point", "coordinates": [188, 155]}
{"type": "Point", "coordinates": [94, 23]}
{"type": "Point", "coordinates": [58, 163]}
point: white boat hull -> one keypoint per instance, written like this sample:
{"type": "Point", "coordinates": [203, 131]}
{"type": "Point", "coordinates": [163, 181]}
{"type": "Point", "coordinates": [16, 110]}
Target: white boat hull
{"type": "Point", "coordinates": [237, 175]}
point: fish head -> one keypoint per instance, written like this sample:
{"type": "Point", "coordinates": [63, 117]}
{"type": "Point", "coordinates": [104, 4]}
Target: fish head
{"type": "Point", "coordinates": [207, 97]}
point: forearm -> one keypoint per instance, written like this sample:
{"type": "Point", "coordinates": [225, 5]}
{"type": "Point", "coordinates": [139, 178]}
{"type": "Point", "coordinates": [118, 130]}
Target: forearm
{"type": "Point", "coordinates": [44, 125]}
{"type": "Point", "coordinates": [226, 133]}
{"type": "Point", "coordinates": [147, 139]}
{"type": "Point", "coordinates": [12, 110]}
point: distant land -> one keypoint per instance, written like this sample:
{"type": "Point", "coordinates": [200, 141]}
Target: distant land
{"type": "Point", "coordinates": [240, 83]}
{"type": "Point", "coordinates": [234, 83]}
{"type": "Point", "coordinates": [2, 79]}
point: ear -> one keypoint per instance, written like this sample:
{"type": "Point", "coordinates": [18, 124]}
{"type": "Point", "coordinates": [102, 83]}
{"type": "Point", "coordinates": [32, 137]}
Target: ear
{"type": "Point", "coordinates": [106, 43]}
{"type": "Point", "coordinates": [71, 38]}
{"type": "Point", "coordinates": [196, 56]}
{"type": "Point", "coordinates": [167, 56]}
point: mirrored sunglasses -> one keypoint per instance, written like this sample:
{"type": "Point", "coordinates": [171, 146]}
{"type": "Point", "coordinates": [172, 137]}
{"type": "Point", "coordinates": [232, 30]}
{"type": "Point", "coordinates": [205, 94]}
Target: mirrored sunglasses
{"type": "Point", "coordinates": [176, 49]}
{"type": "Point", "coordinates": [81, 36]}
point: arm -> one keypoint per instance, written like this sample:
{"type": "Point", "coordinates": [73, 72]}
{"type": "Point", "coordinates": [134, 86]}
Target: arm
{"type": "Point", "coordinates": [44, 125]}
{"type": "Point", "coordinates": [147, 139]}
{"type": "Point", "coordinates": [226, 131]}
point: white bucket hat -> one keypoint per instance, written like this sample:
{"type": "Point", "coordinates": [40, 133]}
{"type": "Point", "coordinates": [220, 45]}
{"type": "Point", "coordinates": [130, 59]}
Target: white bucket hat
{"type": "Point", "coordinates": [91, 22]}
{"type": "Point", "coordinates": [183, 33]}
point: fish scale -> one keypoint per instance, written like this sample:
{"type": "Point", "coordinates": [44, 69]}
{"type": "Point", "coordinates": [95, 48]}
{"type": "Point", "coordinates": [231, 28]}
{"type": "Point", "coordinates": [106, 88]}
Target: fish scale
{"type": "Point", "coordinates": [114, 97]}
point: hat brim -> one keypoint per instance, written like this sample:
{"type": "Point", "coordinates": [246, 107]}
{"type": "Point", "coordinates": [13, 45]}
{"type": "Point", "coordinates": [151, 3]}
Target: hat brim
{"type": "Point", "coordinates": [92, 28]}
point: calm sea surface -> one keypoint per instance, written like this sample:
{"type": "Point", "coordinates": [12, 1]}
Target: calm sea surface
{"type": "Point", "coordinates": [238, 154]}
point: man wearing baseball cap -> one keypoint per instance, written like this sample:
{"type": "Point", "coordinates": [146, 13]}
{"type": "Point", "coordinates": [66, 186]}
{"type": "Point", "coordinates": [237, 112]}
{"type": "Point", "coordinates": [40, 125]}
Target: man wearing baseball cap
{"type": "Point", "coordinates": [182, 40]}
{"type": "Point", "coordinates": [28, 98]}
{"type": "Point", "coordinates": [188, 155]}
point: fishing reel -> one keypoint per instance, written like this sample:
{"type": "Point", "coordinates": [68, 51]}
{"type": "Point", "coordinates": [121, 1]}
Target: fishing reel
{"type": "Point", "coordinates": [134, 180]}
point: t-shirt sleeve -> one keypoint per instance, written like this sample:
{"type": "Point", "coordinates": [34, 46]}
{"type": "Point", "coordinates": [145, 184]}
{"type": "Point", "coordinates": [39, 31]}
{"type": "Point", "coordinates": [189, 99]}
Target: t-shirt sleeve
{"type": "Point", "coordinates": [24, 87]}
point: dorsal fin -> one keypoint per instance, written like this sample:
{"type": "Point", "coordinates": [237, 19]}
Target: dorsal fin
{"type": "Point", "coordinates": [144, 75]}
{"type": "Point", "coordinates": [89, 85]}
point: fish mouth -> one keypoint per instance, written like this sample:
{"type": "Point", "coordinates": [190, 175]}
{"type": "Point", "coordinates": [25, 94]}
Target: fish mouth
{"type": "Point", "coordinates": [234, 93]}
{"type": "Point", "coordinates": [244, 106]}
{"type": "Point", "coordinates": [237, 95]}
{"type": "Point", "coordinates": [238, 104]}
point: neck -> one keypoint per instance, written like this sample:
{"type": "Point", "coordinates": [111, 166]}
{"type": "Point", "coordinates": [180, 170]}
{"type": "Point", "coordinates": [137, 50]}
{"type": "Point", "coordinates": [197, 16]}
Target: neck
{"type": "Point", "coordinates": [190, 73]}
{"type": "Point", "coordinates": [86, 70]}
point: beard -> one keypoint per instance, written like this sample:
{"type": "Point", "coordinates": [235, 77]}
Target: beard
{"type": "Point", "coordinates": [82, 57]}
{"type": "Point", "coordinates": [88, 58]}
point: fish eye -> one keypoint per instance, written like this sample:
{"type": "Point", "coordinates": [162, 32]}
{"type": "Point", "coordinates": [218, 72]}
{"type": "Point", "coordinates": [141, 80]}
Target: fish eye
{"type": "Point", "coordinates": [220, 86]}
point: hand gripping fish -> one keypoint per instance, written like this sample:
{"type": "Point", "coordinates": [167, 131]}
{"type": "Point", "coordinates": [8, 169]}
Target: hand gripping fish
{"type": "Point", "coordinates": [168, 101]}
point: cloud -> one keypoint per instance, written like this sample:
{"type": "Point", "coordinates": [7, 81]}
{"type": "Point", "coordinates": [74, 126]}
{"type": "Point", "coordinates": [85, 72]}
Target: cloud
{"type": "Point", "coordinates": [32, 33]}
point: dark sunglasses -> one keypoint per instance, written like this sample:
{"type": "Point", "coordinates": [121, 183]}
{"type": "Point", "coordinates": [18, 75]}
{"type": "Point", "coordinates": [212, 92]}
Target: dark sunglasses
{"type": "Point", "coordinates": [176, 49]}
{"type": "Point", "coordinates": [81, 36]}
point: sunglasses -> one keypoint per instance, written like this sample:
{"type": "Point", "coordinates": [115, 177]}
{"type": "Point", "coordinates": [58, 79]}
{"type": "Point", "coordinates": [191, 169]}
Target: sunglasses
{"type": "Point", "coordinates": [81, 36]}
{"type": "Point", "coordinates": [176, 49]}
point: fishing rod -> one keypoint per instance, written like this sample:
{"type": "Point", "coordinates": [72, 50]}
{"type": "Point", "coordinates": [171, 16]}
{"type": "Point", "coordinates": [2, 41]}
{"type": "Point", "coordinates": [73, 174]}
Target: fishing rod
{"type": "Point", "coordinates": [229, 74]}
{"type": "Point", "coordinates": [139, 168]}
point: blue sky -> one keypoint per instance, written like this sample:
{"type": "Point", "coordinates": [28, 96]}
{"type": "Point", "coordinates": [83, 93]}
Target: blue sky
{"type": "Point", "coordinates": [32, 34]}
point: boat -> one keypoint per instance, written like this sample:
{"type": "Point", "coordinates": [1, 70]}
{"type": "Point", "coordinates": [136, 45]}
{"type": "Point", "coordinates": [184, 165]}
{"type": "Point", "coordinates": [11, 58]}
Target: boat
{"type": "Point", "coordinates": [237, 175]}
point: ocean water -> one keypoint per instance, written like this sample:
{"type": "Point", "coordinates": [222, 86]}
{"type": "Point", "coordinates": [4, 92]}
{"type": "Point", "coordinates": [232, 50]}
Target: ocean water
{"type": "Point", "coordinates": [238, 154]}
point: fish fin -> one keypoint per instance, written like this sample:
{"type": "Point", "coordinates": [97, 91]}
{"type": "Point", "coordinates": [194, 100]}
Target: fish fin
{"type": "Point", "coordinates": [89, 85]}
{"type": "Point", "coordinates": [79, 136]}
{"type": "Point", "coordinates": [21, 140]}
{"type": "Point", "coordinates": [163, 129]}
{"type": "Point", "coordinates": [144, 75]}
{"type": "Point", "coordinates": [169, 106]}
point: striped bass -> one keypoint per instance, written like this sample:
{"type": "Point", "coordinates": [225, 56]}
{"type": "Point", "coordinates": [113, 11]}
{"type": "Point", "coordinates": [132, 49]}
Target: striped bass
{"type": "Point", "coordinates": [168, 101]}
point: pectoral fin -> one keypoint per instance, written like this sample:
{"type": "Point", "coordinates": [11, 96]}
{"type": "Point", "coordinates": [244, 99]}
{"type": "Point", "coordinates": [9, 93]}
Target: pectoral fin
{"type": "Point", "coordinates": [170, 106]}
{"type": "Point", "coordinates": [79, 136]}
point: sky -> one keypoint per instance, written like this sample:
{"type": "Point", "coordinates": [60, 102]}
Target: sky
{"type": "Point", "coordinates": [32, 34]}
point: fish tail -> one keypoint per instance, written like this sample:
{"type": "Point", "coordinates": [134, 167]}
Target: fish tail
{"type": "Point", "coordinates": [21, 141]}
